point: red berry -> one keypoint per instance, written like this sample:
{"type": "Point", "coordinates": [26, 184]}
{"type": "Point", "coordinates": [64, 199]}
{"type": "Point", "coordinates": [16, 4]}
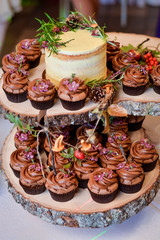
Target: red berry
{"type": "Point", "coordinates": [145, 56]}
{"type": "Point", "coordinates": [150, 67]}
{"type": "Point", "coordinates": [154, 59]}
{"type": "Point", "coordinates": [156, 63]}
{"type": "Point", "coordinates": [147, 60]}
{"type": "Point", "coordinates": [152, 62]}
{"type": "Point", "coordinates": [149, 54]}
{"type": "Point", "coordinates": [151, 58]}
{"type": "Point", "coordinates": [79, 155]}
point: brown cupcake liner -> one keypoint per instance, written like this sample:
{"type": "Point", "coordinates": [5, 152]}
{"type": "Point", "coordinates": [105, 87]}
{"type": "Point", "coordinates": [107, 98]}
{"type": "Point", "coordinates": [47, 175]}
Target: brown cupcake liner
{"type": "Point", "coordinates": [147, 167]}
{"type": "Point", "coordinates": [106, 198]}
{"type": "Point", "coordinates": [83, 183]}
{"type": "Point", "coordinates": [33, 190]}
{"type": "Point", "coordinates": [16, 98]}
{"type": "Point", "coordinates": [156, 89]}
{"type": "Point", "coordinates": [62, 197]}
{"type": "Point", "coordinates": [134, 91]}
{"type": "Point", "coordinates": [73, 105]}
{"type": "Point", "coordinates": [135, 126]}
{"type": "Point", "coordinates": [42, 105]}
{"type": "Point", "coordinates": [35, 63]}
{"type": "Point", "coordinates": [130, 188]}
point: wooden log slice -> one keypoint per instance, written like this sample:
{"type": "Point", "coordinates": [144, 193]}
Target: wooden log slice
{"type": "Point", "coordinates": [81, 211]}
{"type": "Point", "coordinates": [147, 103]}
{"type": "Point", "coordinates": [56, 115]}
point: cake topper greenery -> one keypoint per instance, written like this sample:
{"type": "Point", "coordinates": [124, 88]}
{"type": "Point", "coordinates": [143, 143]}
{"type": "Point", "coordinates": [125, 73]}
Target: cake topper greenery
{"type": "Point", "coordinates": [49, 34]}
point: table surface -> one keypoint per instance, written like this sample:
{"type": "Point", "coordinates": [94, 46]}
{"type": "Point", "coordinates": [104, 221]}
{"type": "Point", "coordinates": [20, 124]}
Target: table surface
{"type": "Point", "coordinates": [16, 223]}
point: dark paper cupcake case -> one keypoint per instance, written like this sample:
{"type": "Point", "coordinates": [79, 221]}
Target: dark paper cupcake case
{"type": "Point", "coordinates": [16, 98]}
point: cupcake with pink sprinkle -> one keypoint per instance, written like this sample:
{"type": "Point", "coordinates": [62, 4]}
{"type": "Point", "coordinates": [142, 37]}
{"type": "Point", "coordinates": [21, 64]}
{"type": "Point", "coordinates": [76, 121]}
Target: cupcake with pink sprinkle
{"type": "Point", "coordinates": [72, 93]}
{"type": "Point", "coordinates": [41, 93]}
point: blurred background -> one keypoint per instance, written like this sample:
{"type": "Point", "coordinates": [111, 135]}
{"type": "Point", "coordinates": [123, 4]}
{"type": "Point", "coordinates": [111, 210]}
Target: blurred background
{"type": "Point", "coordinates": [17, 17]}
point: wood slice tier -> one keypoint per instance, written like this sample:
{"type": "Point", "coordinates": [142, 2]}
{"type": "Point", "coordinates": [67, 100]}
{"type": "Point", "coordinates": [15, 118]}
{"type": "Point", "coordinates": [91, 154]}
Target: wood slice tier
{"type": "Point", "coordinates": [56, 115]}
{"type": "Point", "coordinates": [147, 103]}
{"type": "Point", "coordinates": [81, 211]}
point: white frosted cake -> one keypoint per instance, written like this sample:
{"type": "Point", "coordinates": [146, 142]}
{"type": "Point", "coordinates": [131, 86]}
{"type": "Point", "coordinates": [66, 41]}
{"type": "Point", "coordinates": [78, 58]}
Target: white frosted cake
{"type": "Point", "coordinates": [84, 55]}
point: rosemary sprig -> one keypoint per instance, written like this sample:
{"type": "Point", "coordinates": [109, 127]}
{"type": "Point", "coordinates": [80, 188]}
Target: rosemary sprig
{"type": "Point", "coordinates": [112, 78]}
{"type": "Point", "coordinates": [49, 32]}
{"type": "Point", "coordinates": [24, 127]}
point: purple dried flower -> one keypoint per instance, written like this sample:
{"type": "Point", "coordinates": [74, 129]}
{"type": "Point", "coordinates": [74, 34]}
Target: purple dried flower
{"type": "Point", "coordinates": [66, 82]}
{"type": "Point", "coordinates": [56, 29]}
{"type": "Point", "coordinates": [73, 86]}
{"type": "Point", "coordinates": [65, 28]}
{"type": "Point", "coordinates": [43, 87]}
{"type": "Point", "coordinates": [23, 136]}
{"type": "Point", "coordinates": [34, 88]}
{"type": "Point", "coordinates": [26, 44]}
{"type": "Point", "coordinates": [121, 165]}
{"type": "Point", "coordinates": [95, 32]}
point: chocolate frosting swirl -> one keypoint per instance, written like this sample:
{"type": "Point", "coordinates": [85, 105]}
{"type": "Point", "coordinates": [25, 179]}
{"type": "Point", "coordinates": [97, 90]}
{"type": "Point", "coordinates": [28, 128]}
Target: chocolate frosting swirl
{"type": "Point", "coordinates": [41, 90]}
{"type": "Point", "coordinates": [155, 75]}
{"type": "Point", "coordinates": [120, 138]}
{"type": "Point", "coordinates": [110, 157]}
{"type": "Point", "coordinates": [14, 61]}
{"type": "Point", "coordinates": [30, 48]}
{"type": "Point", "coordinates": [122, 60]}
{"type": "Point", "coordinates": [103, 181]}
{"type": "Point", "coordinates": [130, 173]}
{"type": "Point", "coordinates": [84, 132]}
{"type": "Point", "coordinates": [61, 183]}
{"type": "Point", "coordinates": [143, 152]}
{"type": "Point", "coordinates": [85, 168]}
{"type": "Point", "coordinates": [18, 159]}
{"type": "Point", "coordinates": [24, 140]}
{"type": "Point", "coordinates": [119, 124]}
{"type": "Point", "coordinates": [57, 131]}
{"type": "Point", "coordinates": [112, 50]}
{"type": "Point", "coordinates": [135, 76]}
{"type": "Point", "coordinates": [31, 175]}
{"type": "Point", "coordinates": [15, 82]}
{"type": "Point", "coordinates": [74, 91]}
{"type": "Point", "coordinates": [59, 161]}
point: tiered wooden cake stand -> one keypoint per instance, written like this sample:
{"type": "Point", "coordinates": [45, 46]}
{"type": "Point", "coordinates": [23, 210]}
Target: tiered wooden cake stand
{"type": "Point", "coordinates": [82, 211]}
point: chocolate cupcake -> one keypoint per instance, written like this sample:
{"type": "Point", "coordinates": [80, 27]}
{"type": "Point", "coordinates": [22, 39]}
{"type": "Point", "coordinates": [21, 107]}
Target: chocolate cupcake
{"type": "Point", "coordinates": [113, 48]}
{"type": "Point", "coordinates": [63, 186]}
{"type": "Point", "coordinates": [20, 157]}
{"type": "Point", "coordinates": [135, 80]}
{"type": "Point", "coordinates": [110, 157]}
{"type": "Point", "coordinates": [32, 179]}
{"type": "Point", "coordinates": [131, 177]}
{"type": "Point", "coordinates": [118, 123]}
{"type": "Point", "coordinates": [85, 132]}
{"type": "Point", "coordinates": [57, 131]}
{"type": "Point", "coordinates": [72, 93]}
{"type": "Point", "coordinates": [41, 93]}
{"type": "Point", "coordinates": [103, 185]}
{"type": "Point", "coordinates": [83, 168]}
{"type": "Point", "coordinates": [122, 60]}
{"type": "Point", "coordinates": [119, 138]}
{"type": "Point", "coordinates": [155, 76]}
{"type": "Point", "coordinates": [15, 86]}
{"type": "Point", "coordinates": [25, 140]}
{"type": "Point", "coordinates": [59, 161]}
{"type": "Point", "coordinates": [135, 122]}
{"type": "Point", "coordinates": [143, 152]}
{"type": "Point", "coordinates": [30, 48]}
{"type": "Point", "coordinates": [14, 61]}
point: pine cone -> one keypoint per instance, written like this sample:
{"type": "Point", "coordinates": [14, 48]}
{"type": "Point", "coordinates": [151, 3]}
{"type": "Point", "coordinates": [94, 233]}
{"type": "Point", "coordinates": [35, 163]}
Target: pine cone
{"type": "Point", "coordinates": [96, 93]}
{"type": "Point", "coordinates": [72, 20]}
